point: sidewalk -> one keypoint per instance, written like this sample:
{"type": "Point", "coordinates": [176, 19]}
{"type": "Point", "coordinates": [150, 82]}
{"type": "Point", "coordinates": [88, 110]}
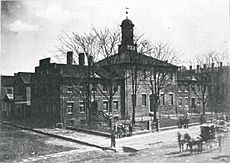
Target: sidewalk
{"type": "Point", "coordinates": [135, 142]}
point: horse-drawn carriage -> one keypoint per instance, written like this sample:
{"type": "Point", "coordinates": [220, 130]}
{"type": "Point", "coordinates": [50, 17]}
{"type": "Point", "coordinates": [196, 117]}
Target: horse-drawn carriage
{"type": "Point", "coordinates": [207, 132]}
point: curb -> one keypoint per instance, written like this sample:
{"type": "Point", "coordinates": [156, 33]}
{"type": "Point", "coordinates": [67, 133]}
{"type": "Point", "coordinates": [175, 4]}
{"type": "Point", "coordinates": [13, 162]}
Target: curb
{"type": "Point", "coordinates": [175, 127]}
{"type": "Point", "coordinates": [161, 129]}
{"type": "Point", "coordinates": [59, 137]}
{"type": "Point", "coordinates": [90, 131]}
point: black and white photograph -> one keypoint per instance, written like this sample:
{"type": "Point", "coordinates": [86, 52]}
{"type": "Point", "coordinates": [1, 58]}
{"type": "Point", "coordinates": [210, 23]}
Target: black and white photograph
{"type": "Point", "coordinates": [123, 81]}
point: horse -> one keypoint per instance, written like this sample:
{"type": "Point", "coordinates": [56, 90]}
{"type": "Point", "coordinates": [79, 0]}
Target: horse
{"type": "Point", "coordinates": [193, 141]}
{"type": "Point", "coordinates": [181, 141]}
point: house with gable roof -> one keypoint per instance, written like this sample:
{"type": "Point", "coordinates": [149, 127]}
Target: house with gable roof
{"type": "Point", "coordinates": [7, 96]}
{"type": "Point", "coordinates": [22, 95]}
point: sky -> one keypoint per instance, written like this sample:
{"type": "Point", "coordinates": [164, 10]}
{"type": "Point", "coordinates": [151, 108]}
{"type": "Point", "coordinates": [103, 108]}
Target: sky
{"type": "Point", "coordinates": [30, 29]}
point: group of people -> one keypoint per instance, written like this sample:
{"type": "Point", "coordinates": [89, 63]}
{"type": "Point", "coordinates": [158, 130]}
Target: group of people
{"type": "Point", "coordinates": [122, 130]}
{"type": "Point", "coordinates": [184, 121]}
{"type": "Point", "coordinates": [119, 131]}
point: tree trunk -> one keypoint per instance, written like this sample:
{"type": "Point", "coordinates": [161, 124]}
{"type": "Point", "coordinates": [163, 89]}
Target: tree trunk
{"type": "Point", "coordinates": [203, 108]}
{"type": "Point", "coordinates": [134, 109]}
{"type": "Point", "coordinates": [110, 104]}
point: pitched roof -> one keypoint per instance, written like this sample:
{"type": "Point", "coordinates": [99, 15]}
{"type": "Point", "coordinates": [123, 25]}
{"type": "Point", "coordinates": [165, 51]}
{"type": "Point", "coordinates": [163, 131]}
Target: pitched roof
{"type": "Point", "coordinates": [133, 57]}
{"type": "Point", "coordinates": [7, 81]}
{"type": "Point", "coordinates": [103, 73]}
{"type": "Point", "coordinates": [25, 76]}
{"type": "Point", "coordinates": [73, 71]}
{"type": "Point", "coordinates": [188, 75]}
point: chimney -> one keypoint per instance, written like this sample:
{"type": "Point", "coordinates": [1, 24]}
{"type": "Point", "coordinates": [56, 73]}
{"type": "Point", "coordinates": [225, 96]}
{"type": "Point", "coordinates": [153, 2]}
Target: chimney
{"type": "Point", "coordinates": [197, 68]}
{"type": "Point", "coordinates": [44, 62]}
{"type": "Point", "coordinates": [221, 64]}
{"type": "Point", "coordinates": [90, 60]}
{"type": "Point", "coordinates": [190, 67]}
{"type": "Point", "coordinates": [204, 66]}
{"type": "Point", "coordinates": [69, 58]}
{"type": "Point", "coordinates": [81, 59]}
{"type": "Point", "coordinates": [213, 65]}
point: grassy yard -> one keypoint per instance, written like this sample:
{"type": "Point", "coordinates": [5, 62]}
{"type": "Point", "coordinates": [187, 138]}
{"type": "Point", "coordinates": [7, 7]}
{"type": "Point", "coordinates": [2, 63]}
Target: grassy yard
{"type": "Point", "coordinates": [16, 145]}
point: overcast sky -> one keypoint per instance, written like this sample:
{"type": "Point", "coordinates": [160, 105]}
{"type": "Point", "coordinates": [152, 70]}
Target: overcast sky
{"type": "Point", "coordinates": [30, 29]}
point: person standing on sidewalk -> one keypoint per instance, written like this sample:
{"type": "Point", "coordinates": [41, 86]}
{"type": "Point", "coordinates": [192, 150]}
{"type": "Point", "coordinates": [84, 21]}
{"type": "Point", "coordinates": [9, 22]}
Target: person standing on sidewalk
{"type": "Point", "coordinates": [130, 129]}
{"type": "Point", "coordinates": [113, 140]}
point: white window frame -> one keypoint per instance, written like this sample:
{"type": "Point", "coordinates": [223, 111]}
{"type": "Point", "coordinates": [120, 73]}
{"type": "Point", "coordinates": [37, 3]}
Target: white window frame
{"type": "Point", "coordinates": [115, 101]}
{"type": "Point", "coordinates": [195, 100]}
{"type": "Point", "coordinates": [72, 106]}
{"type": "Point", "coordinates": [144, 94]}
{"type": "Point", "coordinates": [171, 99]}
{"type": "Point", "coordinates": [186, 88]}
{"type": "Point", "coordinates": [186, 101]}
{"type": "Point", "coordinates": [69, 87]}
{"type": "Point", "coordinates": [106, 101]}
{"type": "Point", "coordinates": [179, 87]}
{"type": "Point", "coordinates": [81, 105]}
{"type": "Point", "coordinates": [162, 102]}
{"type": "Point", "coordinates": [179, 102]}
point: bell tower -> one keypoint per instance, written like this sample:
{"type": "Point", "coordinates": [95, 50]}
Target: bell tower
{"type": "Point", "coordinates": [127, 42]}
{"type": "Point", "coordinates": [127, 32]}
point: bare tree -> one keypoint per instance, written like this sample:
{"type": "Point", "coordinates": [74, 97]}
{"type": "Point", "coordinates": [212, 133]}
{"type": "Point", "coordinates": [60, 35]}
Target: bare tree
{"type": "Point", "coordinates": [108, 41]}
{"type": "Point", "coordinates": [162, 78]}
{"type": "Point", "coordinates": [98, 44]}
{"type": "Point", "coordinates": [88, 45]}
{"type": "Point", "coordinates": [155, 77]}
{"type": "Point", "coordinates": [205, 77]}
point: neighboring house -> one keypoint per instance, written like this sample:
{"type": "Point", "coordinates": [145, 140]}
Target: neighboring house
{"type": "Point", "coordinates": [7, 92]}
{"type": "Point", "coordinates": [56, 92]}
{"type": "Point", "coordinates": [189, 91]}
{"type": "Point", "coordinates": [22, 95]}
{"type": "Point", "coordinates": [59, 92]}
{"type": "Point", "coordinates": [198, 85]}
{"type": "Point", "coordinates": [219, 89]}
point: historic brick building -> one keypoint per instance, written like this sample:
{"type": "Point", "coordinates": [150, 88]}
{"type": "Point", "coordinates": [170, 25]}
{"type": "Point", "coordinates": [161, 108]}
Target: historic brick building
{"type": "Point", "coordinates": [70, 94]}
{"type": "Point", "coordinates": [135, 71]}
{"type": "Point", "coordinates": [208, 84]}
{"type": "Point", "coordinates": [55, 91]}
{"type": "Point", "coordinates": [22, 95]}
{"type": "Point", "coordinates": [219, 89]}
{"type": "Point", "coordinates": [7, 96]}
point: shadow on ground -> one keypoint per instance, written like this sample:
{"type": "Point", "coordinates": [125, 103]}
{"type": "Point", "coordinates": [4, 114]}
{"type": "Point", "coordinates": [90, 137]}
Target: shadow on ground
{"type": "Point", "coordinates": [224, 158]}
{"type": "Point", "coordinates": [129, 150]}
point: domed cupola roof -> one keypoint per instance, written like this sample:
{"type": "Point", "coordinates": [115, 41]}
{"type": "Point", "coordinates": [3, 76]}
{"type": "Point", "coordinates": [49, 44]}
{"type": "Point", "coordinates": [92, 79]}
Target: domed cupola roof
{"type": "Point", "coordinates": [127, 22]}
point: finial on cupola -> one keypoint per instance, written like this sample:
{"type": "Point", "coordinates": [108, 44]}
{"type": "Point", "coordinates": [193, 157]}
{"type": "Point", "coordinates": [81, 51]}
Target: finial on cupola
{"type": "Point", "coordinates": [126, 12]}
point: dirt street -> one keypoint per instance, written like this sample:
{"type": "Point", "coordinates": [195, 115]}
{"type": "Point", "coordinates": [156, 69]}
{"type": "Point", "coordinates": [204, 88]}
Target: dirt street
{"type": "Point", "coordinates": [168, 152]}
